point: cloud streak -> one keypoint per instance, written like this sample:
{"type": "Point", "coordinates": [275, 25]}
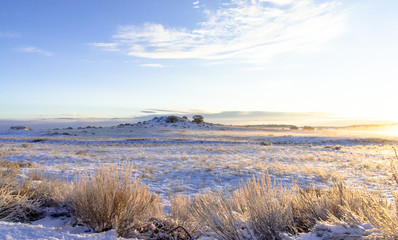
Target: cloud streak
{"type": "Point", "coordinates": [152, 65]}
{"type": "Point", "coordinates": [9, 35]}
{"type": "Point", "coordinates": [36, 50]}
{"type": "Point", "coordinates": [251, 31]}
{"type": "Point", "coordinates": [244, 117]}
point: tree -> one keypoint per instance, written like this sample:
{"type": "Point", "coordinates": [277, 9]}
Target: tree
{"type": "Point", "coordinates": [308, 128]}
{"type": "Point", "coordinates": [198, 119]}
{"type": "Point", "coordinates": [172, 119]}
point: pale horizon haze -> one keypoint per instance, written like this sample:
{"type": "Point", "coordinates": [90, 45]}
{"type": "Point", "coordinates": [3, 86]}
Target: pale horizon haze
{"type": "Point", "coordinates": [304, 62]}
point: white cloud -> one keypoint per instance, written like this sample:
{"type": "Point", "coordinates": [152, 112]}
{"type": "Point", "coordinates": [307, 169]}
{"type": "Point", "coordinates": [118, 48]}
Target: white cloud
{"type": "Point", "coordinates": [251, 31]}
{"type": "Point", "coordinates": [153, 65]}
{"type": "Point", "coordinates": [196, 4]}
{"type": "Point", "coordinates": [36, 50]}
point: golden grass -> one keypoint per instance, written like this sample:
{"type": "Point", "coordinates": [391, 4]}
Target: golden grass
{"type": "Point", "coordinates": [262, 209]}
{"type": "Point", "coordinates": [17, 207]}
{"type": "Point", "coordinates": [16, 202]}
{"type": "Point", "coordinates": [109, 199]}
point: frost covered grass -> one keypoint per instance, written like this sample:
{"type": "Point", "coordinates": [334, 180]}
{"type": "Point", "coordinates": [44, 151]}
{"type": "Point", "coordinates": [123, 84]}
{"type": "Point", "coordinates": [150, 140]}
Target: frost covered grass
{"type": "Point", "coordinates": [109, 199]}
{"type": "Point", "coordinates": [218, 183]}
{"type": "Point", "coordinates": [16, 202]}
{"type": "Point", "coordinates": [16, 206]}
{"type": "Point", "coordinates": [261, 209]}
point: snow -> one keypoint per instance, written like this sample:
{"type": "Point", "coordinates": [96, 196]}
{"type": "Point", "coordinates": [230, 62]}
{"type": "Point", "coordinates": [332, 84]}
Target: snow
{"type": "Point", "coordinates": [189, 158]}
{"type": "Point", "coordinates": [48, 229]}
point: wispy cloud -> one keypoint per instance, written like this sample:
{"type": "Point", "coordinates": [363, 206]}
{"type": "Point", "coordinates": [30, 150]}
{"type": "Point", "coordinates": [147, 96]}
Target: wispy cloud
{"type": "Point", "coordinates": [9, 35]}
{"type": "Point", "coordinates": [36, 50]}
{"type": "Point", "coordinates": [111, 47]}
{"type": "Point", "coordinates": [164, 111]}
{"type": "Point", "coordinates": [250, 31]}
{"type": "Point", "coordinates": [196, 4]}
{"type": "Point", "coordinates": [152, 65]}
{"type": "Point", "coordinates": [245, 117]}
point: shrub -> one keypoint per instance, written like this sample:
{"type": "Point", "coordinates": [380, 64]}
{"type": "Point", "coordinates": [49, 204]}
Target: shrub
{"type": "Point", "coordinates": [216, 213]}
{"type": "Point", "coordinates": [261, 209]}
{"type": "Point", "coordinates": [172, 119]}
{"type": "Point", "coordinates": [197, 119]}
{"type": "Point", "coordinates": [308, 128]}
{"type": "Point", "coordinates": [293, 128]}
{"type": "Point", "coordinates": [108, 199]}
{"type": "Point", "coordinates": [16, 202]}
{"type": "Point", "coordinates": [181, 215]}
{"type": "Point", "coordinates": [17, 207]}
{"type": "Point", "coordinates": [267, 207]}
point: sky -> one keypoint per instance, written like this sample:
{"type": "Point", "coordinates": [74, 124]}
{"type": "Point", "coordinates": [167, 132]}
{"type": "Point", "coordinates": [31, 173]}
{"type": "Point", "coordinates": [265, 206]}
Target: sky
{"type": "Point", "coordinates": [233, 61]}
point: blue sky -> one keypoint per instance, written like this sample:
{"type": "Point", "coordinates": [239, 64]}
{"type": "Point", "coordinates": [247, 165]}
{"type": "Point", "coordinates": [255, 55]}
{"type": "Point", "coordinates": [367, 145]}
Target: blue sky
{"type": "Point", "coordinates": [239, 61]}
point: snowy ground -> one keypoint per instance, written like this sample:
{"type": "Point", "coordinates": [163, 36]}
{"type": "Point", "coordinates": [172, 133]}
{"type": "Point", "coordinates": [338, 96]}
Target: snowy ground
{"type": "Point", "coordinates": [190, 159]}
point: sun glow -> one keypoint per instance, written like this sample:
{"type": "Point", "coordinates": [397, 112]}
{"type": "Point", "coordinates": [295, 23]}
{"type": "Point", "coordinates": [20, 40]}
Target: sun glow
{"type": "Point", "coordinates": [392, 130]}
{"type": "Point", "coordinates": [388, 130]}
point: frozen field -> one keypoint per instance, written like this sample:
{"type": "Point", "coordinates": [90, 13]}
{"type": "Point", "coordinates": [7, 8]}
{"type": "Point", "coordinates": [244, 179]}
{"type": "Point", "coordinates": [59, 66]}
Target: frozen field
{"type": "Point", "coordinates": [191, 159]}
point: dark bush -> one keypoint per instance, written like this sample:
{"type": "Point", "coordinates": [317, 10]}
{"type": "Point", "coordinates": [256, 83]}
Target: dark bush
{"type": "Point", "coordinates": [198, 119]}
{"type": "Point", "coordinates": [172, 119]}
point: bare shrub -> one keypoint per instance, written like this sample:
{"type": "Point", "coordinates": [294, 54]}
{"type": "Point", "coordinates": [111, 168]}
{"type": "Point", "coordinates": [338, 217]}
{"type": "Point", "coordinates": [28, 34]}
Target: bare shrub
{"type": "Point", "coordinates": [172, 119]}
{"type": "Point", "coordinates": [315, 204]}
{"type": "Point", "coordinates": [181, 215]}
{"type": "Point", "coordinates": [197, 119]}
{"type": "Point", "coordinates": [108, 199]}
{"type": "Point", "coordinates": [8, 164]}
{"type": "Point", "coordinates": [8, 173]}
{"type": "Point", "coordinates": [262, 209]}
{"type": "Point", "coordinates": [35, 175]}
{"type": "Point", "coordinates": [17, 207]}
{"type": "Point", "coordinates": [16, 202]}
{"type": "Point", "coordinates": [51, 192]}
{"type": "Point", "coordinates": [215, 212]}
{"type": "Point", "coordinates": [179, 208]}
{"type": "Point", "coordinates": [268, 207]}
{"type": "Point", "coordinates": [17, 165]}
{"type": "Point", "coordinates": [378, 212]}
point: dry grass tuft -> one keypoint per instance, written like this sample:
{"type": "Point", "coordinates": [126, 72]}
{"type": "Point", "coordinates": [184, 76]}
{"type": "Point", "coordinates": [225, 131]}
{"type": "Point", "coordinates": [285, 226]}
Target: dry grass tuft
{"type": "Point", "coordinates": [262, 209]}
{"type": "Point", "coordinates": [17, 207]}
{"type": "Point", "coordinates": [216, 213]}
{"type": "Point", "coordinates": [51, 192]}
{"type": "Point", "coordinates": [16, 202]}
{"type": "Point", "coordinates": [109, 199]}
{"type": "Point", "coordinates": [268, 207]}
{"type": "Point", "coordinates": [17, 165]}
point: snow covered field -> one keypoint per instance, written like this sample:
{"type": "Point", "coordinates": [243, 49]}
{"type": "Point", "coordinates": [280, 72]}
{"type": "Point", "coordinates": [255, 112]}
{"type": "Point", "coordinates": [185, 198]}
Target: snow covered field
{"type": "Point", "coordinates": [190, 159]}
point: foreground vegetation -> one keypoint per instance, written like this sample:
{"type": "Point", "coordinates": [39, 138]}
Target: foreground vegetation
{"type": "Point", "coordinates": [259, 209]}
